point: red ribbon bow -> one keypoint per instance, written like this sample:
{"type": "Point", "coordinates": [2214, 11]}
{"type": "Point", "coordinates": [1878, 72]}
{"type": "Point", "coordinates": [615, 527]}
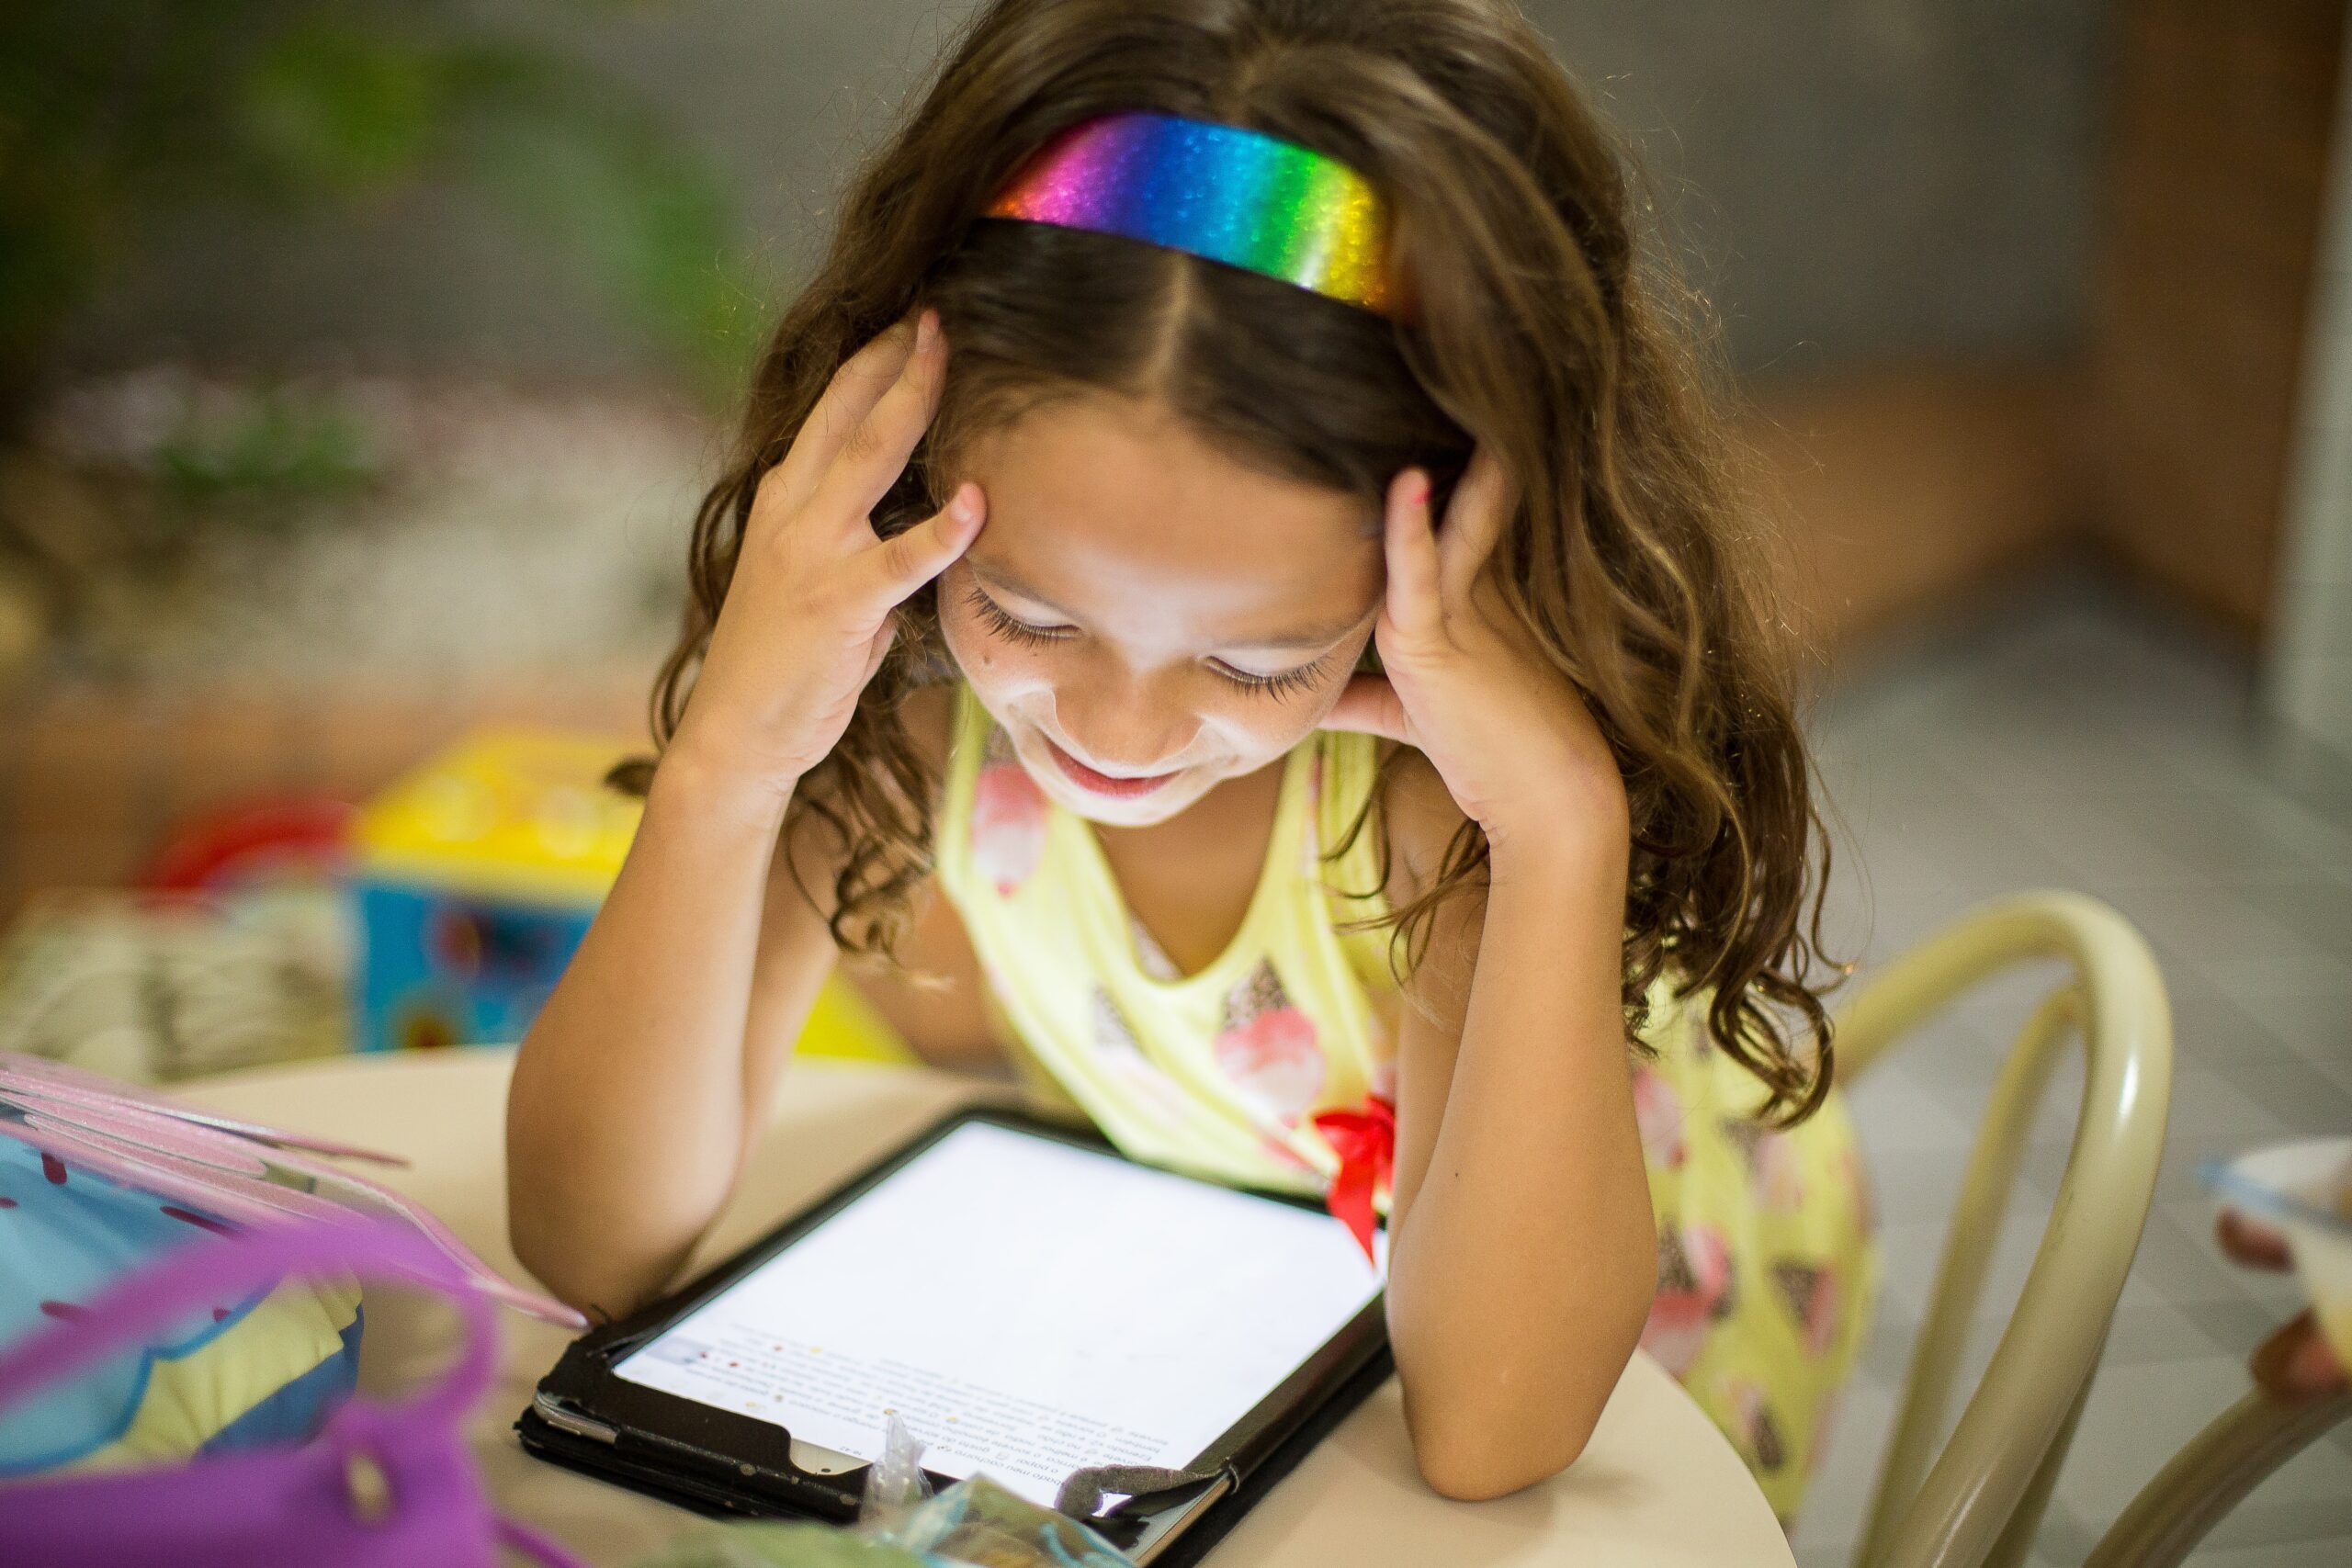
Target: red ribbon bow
{"type": "Point", "coordinates": [1365, 1139]}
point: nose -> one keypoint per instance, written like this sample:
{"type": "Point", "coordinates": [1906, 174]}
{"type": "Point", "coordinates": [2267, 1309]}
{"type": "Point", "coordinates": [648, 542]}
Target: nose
{"type": "Point", "coordinates": [1123, 726]}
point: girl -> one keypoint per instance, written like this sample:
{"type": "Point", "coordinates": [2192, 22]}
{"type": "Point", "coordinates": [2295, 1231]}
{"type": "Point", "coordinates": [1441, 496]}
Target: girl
{"type": "Point", "coordinates": [1230, 578]}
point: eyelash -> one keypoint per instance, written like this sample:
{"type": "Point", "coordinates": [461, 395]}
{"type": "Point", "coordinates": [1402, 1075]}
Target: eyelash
{"type": "Point", "coordinates": [1289, 683]}
{"type": "Point", "coordinates": [1004, 626]}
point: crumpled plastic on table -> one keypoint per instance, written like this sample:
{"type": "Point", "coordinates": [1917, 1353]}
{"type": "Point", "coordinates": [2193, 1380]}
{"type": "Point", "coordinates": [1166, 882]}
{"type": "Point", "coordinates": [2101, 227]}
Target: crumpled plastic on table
{"type": "Point", "coordinates": [901, 1523]}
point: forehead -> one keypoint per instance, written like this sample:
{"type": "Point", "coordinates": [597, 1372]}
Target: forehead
{"type": "Point", "coordinates": [1112, 506]}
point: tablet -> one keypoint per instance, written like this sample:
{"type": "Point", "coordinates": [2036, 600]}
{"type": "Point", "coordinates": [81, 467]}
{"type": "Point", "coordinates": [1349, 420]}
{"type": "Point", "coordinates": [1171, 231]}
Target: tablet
{"type": "Point", "coordinates": [1027, 1301]}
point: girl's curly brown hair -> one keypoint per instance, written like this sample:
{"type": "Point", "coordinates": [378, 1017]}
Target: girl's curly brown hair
{"type": "Point", "coordinates": [1543, 331]}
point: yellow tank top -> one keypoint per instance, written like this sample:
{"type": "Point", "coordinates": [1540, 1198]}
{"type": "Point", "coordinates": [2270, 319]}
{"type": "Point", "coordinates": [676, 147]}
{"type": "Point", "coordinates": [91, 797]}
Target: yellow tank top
{"type": "Point", "coordinates": [1766, 1274]}
{"type": "Point", "coordinates": [1218, 1072]}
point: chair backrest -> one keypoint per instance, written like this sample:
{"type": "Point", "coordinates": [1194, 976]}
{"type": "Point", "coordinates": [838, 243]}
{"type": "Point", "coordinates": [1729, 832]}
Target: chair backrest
{"type": "Point", "coordinates": [1978, 1502]}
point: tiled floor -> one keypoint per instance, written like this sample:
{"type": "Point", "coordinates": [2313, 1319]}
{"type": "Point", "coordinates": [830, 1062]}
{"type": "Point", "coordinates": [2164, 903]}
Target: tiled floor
{"type": "Point", "coordinates": [2072, 738]}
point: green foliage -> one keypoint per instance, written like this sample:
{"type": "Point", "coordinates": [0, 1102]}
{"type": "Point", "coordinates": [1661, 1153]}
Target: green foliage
{"type": "Point", "coordinates": [328, 109]}
{"type": "Point", "coordinates": [112, 111]}
{"type": "Point", "coordinates": [272, 443]}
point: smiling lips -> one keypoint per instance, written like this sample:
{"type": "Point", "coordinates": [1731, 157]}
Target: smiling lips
{"type": "Point", "coordinates": [1103, 783]}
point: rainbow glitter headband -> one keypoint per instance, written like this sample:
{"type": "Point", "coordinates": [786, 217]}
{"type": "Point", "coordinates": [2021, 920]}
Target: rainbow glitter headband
{"type": "Point", "coordinates": [1233, 196]}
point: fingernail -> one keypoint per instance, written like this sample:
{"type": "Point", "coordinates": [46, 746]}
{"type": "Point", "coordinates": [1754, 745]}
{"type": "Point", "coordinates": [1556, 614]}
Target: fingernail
{"type": "Point", "coordinates": [926, 329]}
{"type": "Point", "coordinates": [1417, 491]}
{"type": "Point", "coordinates": [965, 506]}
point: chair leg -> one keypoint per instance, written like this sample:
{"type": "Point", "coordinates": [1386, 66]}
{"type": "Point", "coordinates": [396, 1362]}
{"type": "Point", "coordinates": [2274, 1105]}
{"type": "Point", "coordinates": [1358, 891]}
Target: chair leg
{"type": "Point", "coordinates": [2206, 1479]}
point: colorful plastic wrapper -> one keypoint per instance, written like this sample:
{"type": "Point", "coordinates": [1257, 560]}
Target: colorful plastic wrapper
{"type": "Point", "coordinates": [894, 1483]}
{"type": "Point", "coordinates": [973, 1523]}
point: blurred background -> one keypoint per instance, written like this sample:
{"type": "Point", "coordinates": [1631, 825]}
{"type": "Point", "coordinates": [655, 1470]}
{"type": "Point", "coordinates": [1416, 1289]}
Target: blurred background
{"type": "Point", "coordinates": [361, 365]}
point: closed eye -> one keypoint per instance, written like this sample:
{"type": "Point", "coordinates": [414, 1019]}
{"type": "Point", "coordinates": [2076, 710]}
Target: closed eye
{"type": "Point", "coordinates": [1001, 623]}
{"type": "Point", "coordinates": [1287, 682]}
{"type": "Point", "coordinates": [1004, 626]}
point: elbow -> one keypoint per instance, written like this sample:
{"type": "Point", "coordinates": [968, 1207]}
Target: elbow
{"type": "Point", "coordinates": [574, 1275]}
{"type": "Point", "coordinates": [560, 1233]}
{"type": "Point", "coordinates": [534, 1225]}
{"type": "Point", "coordinates": [1486, 1429]}
{"type": "Point", "coordinates": [587, 1257]}
{"type": "Point", "coordinates": [540, 1262]}
{"type": "Point", "coordinates": [533, 1217]}
{"type": "Point", "coordinates": [1471, 1465]}
{"type": "Point", "coordinates": [581, 1271]}
{"type": "Point", "coordinates": [531, 1239]}
{"type": "Point", "coordinates": [1481, 1444]}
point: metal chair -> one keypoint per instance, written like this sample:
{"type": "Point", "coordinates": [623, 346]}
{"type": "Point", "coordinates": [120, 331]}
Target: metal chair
{"type": "Point", "coordinates": [1977, 1503]}
{"type": "Point", "coordinates": [2206, 1479]}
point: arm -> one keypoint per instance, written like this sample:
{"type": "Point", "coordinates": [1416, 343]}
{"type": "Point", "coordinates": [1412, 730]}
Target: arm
{"type": "Point", "coordinates": [1522, 1250]}
{"type": "Point", "coordinates": [1522, 1253]}
{"type": "Point", "coordinates": [638, 1085]}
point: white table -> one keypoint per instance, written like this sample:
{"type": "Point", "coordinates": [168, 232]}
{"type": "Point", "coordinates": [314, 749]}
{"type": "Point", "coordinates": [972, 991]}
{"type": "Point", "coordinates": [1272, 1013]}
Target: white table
{"type": "Point", "coordinates": [1657, 1486]}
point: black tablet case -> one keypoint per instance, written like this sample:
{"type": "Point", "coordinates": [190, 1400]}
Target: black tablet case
{"type": "Point", "coordinates": [710, 1493]}
{"type": "Point", "coordinates": [708, 1497]}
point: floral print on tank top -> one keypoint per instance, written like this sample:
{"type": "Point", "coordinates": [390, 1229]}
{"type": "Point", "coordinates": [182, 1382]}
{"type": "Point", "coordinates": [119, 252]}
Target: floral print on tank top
{"type": "Point", "coordinates": [1767, 1267]}
{"type": "Point", "coordinates": [1268, 1049]}
{"type": "Point", "coordinates": [1007, 817]}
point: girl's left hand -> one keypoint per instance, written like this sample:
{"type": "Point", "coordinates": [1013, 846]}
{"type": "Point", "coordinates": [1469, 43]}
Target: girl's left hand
{"type": "Point", "coordinates": [1465, 683]}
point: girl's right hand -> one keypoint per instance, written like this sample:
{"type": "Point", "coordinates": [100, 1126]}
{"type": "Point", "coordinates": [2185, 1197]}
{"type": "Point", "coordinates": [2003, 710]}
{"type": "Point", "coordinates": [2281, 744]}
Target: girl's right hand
{"type": "Point", "coordinates": [808, 615]}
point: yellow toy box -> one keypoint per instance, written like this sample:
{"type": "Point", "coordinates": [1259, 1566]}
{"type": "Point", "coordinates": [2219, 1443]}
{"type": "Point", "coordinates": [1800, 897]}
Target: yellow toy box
{"type": "Point", "coordinates": [475, 876]}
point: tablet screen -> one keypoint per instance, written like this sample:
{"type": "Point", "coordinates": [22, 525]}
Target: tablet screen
{"type": "Point", "coordinates": [1027, 1308]}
